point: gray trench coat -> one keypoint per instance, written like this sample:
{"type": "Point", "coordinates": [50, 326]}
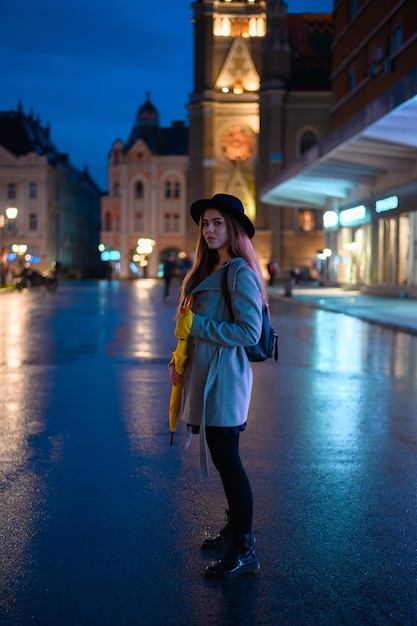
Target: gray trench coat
{"type": "Point", "coordinates": [217, 375]}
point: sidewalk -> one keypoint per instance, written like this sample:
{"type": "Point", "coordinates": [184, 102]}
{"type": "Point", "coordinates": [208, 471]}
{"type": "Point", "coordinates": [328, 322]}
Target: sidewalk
{"type": "Point", "coordinates": [395, 313]}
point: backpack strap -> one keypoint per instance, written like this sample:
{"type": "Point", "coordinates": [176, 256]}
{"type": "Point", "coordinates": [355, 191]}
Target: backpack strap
{"type": "Point", "coordinates": [226, 292]}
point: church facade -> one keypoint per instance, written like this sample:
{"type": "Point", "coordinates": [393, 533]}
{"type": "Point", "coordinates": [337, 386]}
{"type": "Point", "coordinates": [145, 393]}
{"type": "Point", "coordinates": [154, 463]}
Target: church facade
{"type": "Point", "coordinates": [261, 97]}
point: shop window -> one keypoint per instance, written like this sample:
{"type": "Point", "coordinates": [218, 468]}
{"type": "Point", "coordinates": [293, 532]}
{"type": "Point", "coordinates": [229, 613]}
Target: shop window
{"type": "Point", "coordinates": [139, 193]}
{"type": "Point", "coordinates": [33, 191]}
{"type": "Point", "coordinates": [11, 191]}
{"type": "Point", "coordinates": [308, 139]}
{"type": "Point", "coordinates": [306, 221]}
{"type": "Point", "coordinates": [33, 222]}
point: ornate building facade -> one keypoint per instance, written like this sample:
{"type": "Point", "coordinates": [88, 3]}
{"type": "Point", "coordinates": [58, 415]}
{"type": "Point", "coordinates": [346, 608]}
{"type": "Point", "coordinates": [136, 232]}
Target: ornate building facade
{"type": "Point", "coordinates": [261, 97]}
{"type": "Point", "coordinates": [143, 214]}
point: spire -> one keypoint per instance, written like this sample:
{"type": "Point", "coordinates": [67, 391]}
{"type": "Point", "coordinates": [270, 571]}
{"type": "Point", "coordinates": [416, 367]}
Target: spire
{"type": "Point", "coordinates": [147, 114]}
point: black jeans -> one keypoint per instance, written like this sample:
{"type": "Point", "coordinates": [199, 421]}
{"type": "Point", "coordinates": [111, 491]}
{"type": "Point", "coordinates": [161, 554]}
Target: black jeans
{"type": "Point", "coordinates": [224, 449]}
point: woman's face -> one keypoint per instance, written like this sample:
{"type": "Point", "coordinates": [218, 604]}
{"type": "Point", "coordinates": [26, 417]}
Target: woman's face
{"type": "Point", "coordinates": [215, 231]}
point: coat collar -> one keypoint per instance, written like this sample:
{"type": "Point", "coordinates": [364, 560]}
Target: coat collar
{"type": "Point", "coordinates": [214, 280]}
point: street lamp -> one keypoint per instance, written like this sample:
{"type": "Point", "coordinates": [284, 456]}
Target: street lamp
{"type": "Point", "coordinates": [19, 249]}
{"type": "Point", "coordinates": [11, 214]}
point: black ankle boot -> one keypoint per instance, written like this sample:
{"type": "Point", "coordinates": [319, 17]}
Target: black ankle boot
{"type": "Point", "coordinates": [240, 559]}
{"type": "Point", "coordinates": [221, 541]}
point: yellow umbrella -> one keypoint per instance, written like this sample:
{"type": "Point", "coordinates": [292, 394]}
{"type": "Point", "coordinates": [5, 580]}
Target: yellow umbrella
{"type": "Point", "coordinates": [180, 357]}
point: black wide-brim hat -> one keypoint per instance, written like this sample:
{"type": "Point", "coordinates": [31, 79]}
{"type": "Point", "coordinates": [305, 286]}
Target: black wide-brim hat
{"type": "Point", "coordinates": [228, 204]}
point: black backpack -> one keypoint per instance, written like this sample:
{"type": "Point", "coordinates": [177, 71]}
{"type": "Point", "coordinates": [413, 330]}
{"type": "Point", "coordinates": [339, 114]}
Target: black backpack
{"type": "Point", "coordinates": [267, 346]}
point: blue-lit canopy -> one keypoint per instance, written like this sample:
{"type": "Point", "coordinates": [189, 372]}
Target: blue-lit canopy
{"type": "Point", "coordinates": [354, 161]}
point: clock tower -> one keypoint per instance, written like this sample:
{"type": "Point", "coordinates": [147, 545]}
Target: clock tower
{"type": "Point", "coordinates": [224, 106]}
{"type": "Point", "coordinates": [261, 97]}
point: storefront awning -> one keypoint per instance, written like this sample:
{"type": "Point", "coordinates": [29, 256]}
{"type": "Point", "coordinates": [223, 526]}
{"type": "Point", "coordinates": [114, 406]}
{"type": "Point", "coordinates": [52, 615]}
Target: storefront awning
{"type": "Point", "coordinates": [375, 150]}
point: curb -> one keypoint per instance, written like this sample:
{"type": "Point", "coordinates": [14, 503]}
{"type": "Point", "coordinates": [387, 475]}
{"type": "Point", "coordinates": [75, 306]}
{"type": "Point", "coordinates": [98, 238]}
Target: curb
{"type": "Point", "coordinates": [334, 309]}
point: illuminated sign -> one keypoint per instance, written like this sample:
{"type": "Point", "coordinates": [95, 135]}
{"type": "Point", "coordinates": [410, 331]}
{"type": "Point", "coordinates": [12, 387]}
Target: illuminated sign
{"type": "Point", "coordinates": [110, 255]}
{"type": "Point", "coordinates": [330, 219]}
{"type": "Point", "coordinates": [352, 216]}
{"type": "Point", "coordinates": [386, 204]}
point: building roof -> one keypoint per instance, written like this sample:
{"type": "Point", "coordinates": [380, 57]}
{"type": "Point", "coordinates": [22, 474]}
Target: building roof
{"type": "Point", "coordinates": [310, 37]}
{"type": "Point", "coordinates": [22, 134]}
{"type": "Point", "coordinates": [160, 141]}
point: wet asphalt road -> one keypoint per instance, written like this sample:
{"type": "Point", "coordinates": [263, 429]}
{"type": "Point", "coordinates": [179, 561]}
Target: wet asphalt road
{"type": "Point", "coordinates": [101, 520]}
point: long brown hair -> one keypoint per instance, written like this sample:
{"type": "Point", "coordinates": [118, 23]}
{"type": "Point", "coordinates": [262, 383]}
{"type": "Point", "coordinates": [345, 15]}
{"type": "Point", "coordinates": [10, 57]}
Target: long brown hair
{"type": "Point", "coordinates": [205, 259]}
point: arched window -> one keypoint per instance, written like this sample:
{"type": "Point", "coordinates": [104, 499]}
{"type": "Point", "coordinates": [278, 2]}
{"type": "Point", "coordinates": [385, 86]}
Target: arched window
{"type": "Point", "coordinates": [139, 190]}
{"type": "Point", "coordinates": [172, 189]}
{"type": "Point", "coordinates": [308, 140]}
{"type": "Point", "coordinates": [116, 189]}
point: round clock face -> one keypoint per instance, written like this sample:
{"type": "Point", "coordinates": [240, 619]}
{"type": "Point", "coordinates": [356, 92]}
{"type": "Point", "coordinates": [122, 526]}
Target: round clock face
{"type": "Point", "coordinates": [238, 143]}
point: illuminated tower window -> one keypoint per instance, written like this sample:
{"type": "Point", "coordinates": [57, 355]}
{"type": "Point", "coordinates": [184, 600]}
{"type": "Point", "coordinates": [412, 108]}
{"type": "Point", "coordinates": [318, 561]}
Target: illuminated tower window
{"type": "Point", "coordinates": [239, 26]}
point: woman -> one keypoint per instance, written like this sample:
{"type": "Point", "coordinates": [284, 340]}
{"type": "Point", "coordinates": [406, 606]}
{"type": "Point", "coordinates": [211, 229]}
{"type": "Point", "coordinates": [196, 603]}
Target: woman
{"type": "Point", "coordinates": [217, 378]}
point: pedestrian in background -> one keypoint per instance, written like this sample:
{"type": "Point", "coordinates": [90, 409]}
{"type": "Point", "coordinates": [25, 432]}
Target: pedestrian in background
{"type": "Point", "coordinates": [217, 377]}
{"type": "Point", "coordinates": [169, 268]}
{"type": "Point", "coordinates": [272, 268]}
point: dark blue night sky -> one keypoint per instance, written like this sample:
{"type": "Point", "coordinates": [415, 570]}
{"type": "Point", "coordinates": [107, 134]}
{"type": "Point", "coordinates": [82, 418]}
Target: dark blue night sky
{"type": "Point", "coordinates": [85, 67]}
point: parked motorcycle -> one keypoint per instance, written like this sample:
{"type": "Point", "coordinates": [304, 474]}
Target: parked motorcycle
{"type": "Point", "coordinates": [30, 277]}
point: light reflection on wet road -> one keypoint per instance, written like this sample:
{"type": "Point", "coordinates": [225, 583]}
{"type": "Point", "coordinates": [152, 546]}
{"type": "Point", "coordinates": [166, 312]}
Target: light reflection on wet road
{"type": "Point", "coordinates": [100, 519]}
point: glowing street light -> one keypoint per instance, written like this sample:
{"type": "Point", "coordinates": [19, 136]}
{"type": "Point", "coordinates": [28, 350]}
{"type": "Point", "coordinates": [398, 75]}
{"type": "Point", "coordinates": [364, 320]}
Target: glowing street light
{"type": "Point", "coordinates": [145, 246]}
{"type": "Point", "coordinates": [11, 214]}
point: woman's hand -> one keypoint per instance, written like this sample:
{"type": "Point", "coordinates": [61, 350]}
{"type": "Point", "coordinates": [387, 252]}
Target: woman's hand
{"type": "Point", "coordinates": [175, 378]}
